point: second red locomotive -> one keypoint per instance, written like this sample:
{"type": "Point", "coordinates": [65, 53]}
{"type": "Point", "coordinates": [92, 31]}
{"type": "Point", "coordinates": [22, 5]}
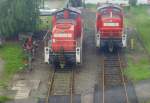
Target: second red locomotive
{"type": "Point", "coordinates": [110, 30]}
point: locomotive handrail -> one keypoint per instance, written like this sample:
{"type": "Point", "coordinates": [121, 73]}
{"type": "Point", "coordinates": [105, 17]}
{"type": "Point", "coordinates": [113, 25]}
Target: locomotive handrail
{"type": "Point", "coordinates": [75, 43]}
{"type": "Point", "coordinates": [120, 14]}
{"type": "Point", "coordinates": [110, 32]}
{"type": "Point", "coordinates": [46, 35]}
{"type": "Point", "coordinates": [116, 28]}
{"type": "Point", "coordinates": [65, 45]}
{"type": "Point", "coordinates": [69, 52]}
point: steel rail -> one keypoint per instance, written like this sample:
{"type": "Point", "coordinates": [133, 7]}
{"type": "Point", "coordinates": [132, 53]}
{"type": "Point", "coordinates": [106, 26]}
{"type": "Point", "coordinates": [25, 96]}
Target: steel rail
{"type": "Point", "coordinates": [103, 76]}
{"type": "Point", "coordinates": [72, 87]}
{"type": "Point", "coordinates": [123, 80]}
{"type": "Point", "coordinates": [51, 82]}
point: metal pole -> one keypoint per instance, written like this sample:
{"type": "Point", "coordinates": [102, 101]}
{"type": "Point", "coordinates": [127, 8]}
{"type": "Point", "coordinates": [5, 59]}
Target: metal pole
{"type": "Point", "coordinates": [43, 4]}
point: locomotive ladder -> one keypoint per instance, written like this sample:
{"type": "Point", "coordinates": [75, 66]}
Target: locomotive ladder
{"type": "Point", "coordinates": [113, 79]}
{"type": "Point", "coordinates": [61, 83]}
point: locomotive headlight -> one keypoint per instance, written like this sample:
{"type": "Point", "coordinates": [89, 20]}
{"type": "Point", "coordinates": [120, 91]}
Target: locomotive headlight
{"type": "Point", "coordinates": [97, 40]}
{"type": "Point", "coordinates": [78, 55]}
{"type": "Point", "coordinates": [97, 36]}
{"type": "Point", "coordinates": [78, 51]}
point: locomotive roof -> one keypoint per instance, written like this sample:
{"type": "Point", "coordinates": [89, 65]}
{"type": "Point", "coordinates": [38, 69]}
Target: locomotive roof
{"type": "Point", "coordinates": [109, 5]}
{"type": "Point", "coordinates": [72, 9]}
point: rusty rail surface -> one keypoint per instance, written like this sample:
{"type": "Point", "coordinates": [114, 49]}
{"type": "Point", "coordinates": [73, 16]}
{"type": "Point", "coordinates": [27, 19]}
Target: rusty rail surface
{"type": "Point", "coordinates": [59, 90]}
{"type": "Point", "coordinates": [113, 77]}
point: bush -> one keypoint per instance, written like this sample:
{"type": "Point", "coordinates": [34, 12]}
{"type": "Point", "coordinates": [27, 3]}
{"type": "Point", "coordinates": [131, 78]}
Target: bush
{"type": "Point", "coordinates": [3, 99]}
{"type": "Point", "coordinates": [13, 56]}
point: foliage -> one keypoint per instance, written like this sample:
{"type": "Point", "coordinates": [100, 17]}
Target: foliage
{"type": "Point", "coordinates": [138, 18]}
{"type": "Point", "coordinates": [3, 99]}
{"type": "Point", "coordinates": [133, 2]}
{"type": "Point", "coordinates": [18, 15]}
{"type": "Point", "coordinates": [13, 56]}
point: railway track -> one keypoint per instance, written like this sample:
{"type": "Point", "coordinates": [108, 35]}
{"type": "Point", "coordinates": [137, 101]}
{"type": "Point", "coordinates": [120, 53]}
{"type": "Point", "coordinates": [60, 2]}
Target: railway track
{"type": "Point", "coordinates": [61, 85]}
{"type": "Point", "coordinates": [114, 82]}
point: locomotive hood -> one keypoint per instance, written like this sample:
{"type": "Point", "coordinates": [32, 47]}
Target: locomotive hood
{"type": "Point", "coordinates": [63, 30]}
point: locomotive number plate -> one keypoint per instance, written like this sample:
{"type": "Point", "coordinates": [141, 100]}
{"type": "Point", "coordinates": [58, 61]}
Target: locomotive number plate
{"type": "Point", "coordinates": [65, 35]}
{"type": "Point", "coordinates": [111, 24]}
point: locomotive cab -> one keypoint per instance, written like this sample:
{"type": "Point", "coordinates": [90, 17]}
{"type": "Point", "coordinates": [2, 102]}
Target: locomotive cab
{"type": "Point", "coordinates": [110, 27]}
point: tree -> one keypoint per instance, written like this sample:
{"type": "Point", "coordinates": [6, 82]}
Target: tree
{"type": "Point", "coordinates": [133, 2]}
{"type": "Point", "coordinates": [18, 16]}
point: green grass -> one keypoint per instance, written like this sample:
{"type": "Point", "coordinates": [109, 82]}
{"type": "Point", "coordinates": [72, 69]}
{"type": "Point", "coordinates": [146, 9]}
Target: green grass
{"type": "Point", "coordinates": [138, 71]}
{"type": "Point", "coordinates": [139, 18]}
{"type": "Point", "coordinates": [13, 56]}
{"type": "Point", "coordinates": [4, 99]}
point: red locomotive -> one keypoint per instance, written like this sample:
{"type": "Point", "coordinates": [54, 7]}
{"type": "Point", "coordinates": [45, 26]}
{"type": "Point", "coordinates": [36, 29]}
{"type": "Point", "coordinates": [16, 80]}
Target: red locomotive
{"type": "Point", "coordinates": [65, 43]}
{"type": "Point", "coordinates": [110, 27]}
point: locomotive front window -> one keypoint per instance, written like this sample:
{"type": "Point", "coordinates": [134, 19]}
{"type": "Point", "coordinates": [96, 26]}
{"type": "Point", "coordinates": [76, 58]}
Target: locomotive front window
{"type": "Point", "coordinates": [115, 16]}
{"type": "Point", "coordinates": [109, 15]}
{"type": "Point", "coordinates": [60, 15]}
{"type": "Point", "coordinates": [106, 15]}
{"type": "Point", "coordinates": [106, 11]}
{"type": "Point", "coordinates": [73, 15]}
{"type": "Point", "coordinates": [103, 10]}
{"type": "Point", "coordinates": [116, 10]}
